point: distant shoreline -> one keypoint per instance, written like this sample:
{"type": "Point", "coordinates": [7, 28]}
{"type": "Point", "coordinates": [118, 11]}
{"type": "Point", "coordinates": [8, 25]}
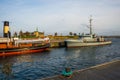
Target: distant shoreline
{"type": "Point", "coordinates": [99, 35]}
{"type": "Point", "coordinates": [111, 36]}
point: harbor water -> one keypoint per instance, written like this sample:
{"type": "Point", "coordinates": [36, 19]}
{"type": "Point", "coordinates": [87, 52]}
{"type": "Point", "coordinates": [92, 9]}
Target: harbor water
{"type": "Point", "coordinates": [53, 61]}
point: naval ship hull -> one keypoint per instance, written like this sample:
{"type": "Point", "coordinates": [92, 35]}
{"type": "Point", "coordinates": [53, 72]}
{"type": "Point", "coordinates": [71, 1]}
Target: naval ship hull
{"type": "Point", "coordinates": [85, 44]}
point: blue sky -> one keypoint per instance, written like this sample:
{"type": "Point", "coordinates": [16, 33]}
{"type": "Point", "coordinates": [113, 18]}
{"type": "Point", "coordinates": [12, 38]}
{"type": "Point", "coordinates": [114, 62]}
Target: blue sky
{"type": "Point", "coordinates": [62, 16]}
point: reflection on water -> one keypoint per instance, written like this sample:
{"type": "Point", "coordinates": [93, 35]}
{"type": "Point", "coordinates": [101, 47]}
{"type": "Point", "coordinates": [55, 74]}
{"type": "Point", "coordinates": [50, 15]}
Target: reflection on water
{"type": "Point", "coordinates": [24, 58]}
{"type": "Point", "coordinates": [52, 62]}
{"type": "Point", "coordinates": [6, 69]}
{"type": "Point", "coordinates": [81, 57]}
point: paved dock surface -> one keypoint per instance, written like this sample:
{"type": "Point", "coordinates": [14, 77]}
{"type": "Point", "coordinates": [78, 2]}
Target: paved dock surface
{"type": "Point", "coordinates": [106, 71]}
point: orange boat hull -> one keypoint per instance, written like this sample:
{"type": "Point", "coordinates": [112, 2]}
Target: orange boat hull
{"type": "Point", "coordinates": [23, 51]}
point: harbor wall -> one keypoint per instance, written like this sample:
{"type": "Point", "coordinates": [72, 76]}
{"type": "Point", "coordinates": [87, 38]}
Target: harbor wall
{"type": "Point", "coordinates": [58, 41]}
{"type": "Point", "coordinates": [57, 44]}
{"type": "Point", "coordinates": [105, 71]}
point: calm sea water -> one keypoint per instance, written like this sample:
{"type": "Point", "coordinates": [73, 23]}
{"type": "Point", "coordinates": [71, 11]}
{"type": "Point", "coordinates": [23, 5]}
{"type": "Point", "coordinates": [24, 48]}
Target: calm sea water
{"type": "Point", "coordinates": [53, 61]}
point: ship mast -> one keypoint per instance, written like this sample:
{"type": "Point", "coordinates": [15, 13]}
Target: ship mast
{"type": "Point", "coordinates": [90, 24]}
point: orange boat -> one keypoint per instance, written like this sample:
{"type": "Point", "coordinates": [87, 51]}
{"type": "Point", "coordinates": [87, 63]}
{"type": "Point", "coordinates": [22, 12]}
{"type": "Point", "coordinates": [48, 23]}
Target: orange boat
{"type": "Point", "coordinates": [17, 46]}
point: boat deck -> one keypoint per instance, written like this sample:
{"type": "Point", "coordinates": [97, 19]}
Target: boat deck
{"type": "Point", "coordinates": [106, 71]}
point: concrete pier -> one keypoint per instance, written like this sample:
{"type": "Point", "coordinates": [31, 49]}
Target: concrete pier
{"type": "Point", "coordinates": [57, 43]}
{"type": "Point", "coordinates": [106, 71]}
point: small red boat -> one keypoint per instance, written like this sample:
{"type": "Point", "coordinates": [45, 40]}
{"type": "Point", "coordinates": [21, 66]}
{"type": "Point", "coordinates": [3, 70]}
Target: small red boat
{"type": "Point", "coordinates": [16, 46]}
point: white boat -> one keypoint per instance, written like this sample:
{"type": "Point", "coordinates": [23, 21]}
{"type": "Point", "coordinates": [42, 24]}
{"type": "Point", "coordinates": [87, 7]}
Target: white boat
{"type": "Point", "coordinates": [87, 40]}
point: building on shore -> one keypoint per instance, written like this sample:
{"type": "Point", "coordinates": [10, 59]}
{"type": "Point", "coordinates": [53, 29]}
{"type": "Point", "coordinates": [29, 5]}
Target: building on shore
{"type": "Point", "coordinates": [34, 34]}
{"type": "Point", "coordinates": [38, 34]}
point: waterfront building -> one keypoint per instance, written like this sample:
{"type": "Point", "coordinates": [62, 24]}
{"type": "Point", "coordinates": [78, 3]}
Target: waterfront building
{"type": "Point", "coordinates": [38, 34]}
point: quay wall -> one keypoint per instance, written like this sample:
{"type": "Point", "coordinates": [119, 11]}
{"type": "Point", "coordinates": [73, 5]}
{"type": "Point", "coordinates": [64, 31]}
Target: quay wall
{"type": "Point", "coordinates": [105, 71]}
{"type": "Point", "coordinates": [57, 43]}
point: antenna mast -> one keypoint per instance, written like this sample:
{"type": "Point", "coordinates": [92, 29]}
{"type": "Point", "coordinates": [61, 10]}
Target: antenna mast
{"type": "Point", "coordinates": [90, 24]}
